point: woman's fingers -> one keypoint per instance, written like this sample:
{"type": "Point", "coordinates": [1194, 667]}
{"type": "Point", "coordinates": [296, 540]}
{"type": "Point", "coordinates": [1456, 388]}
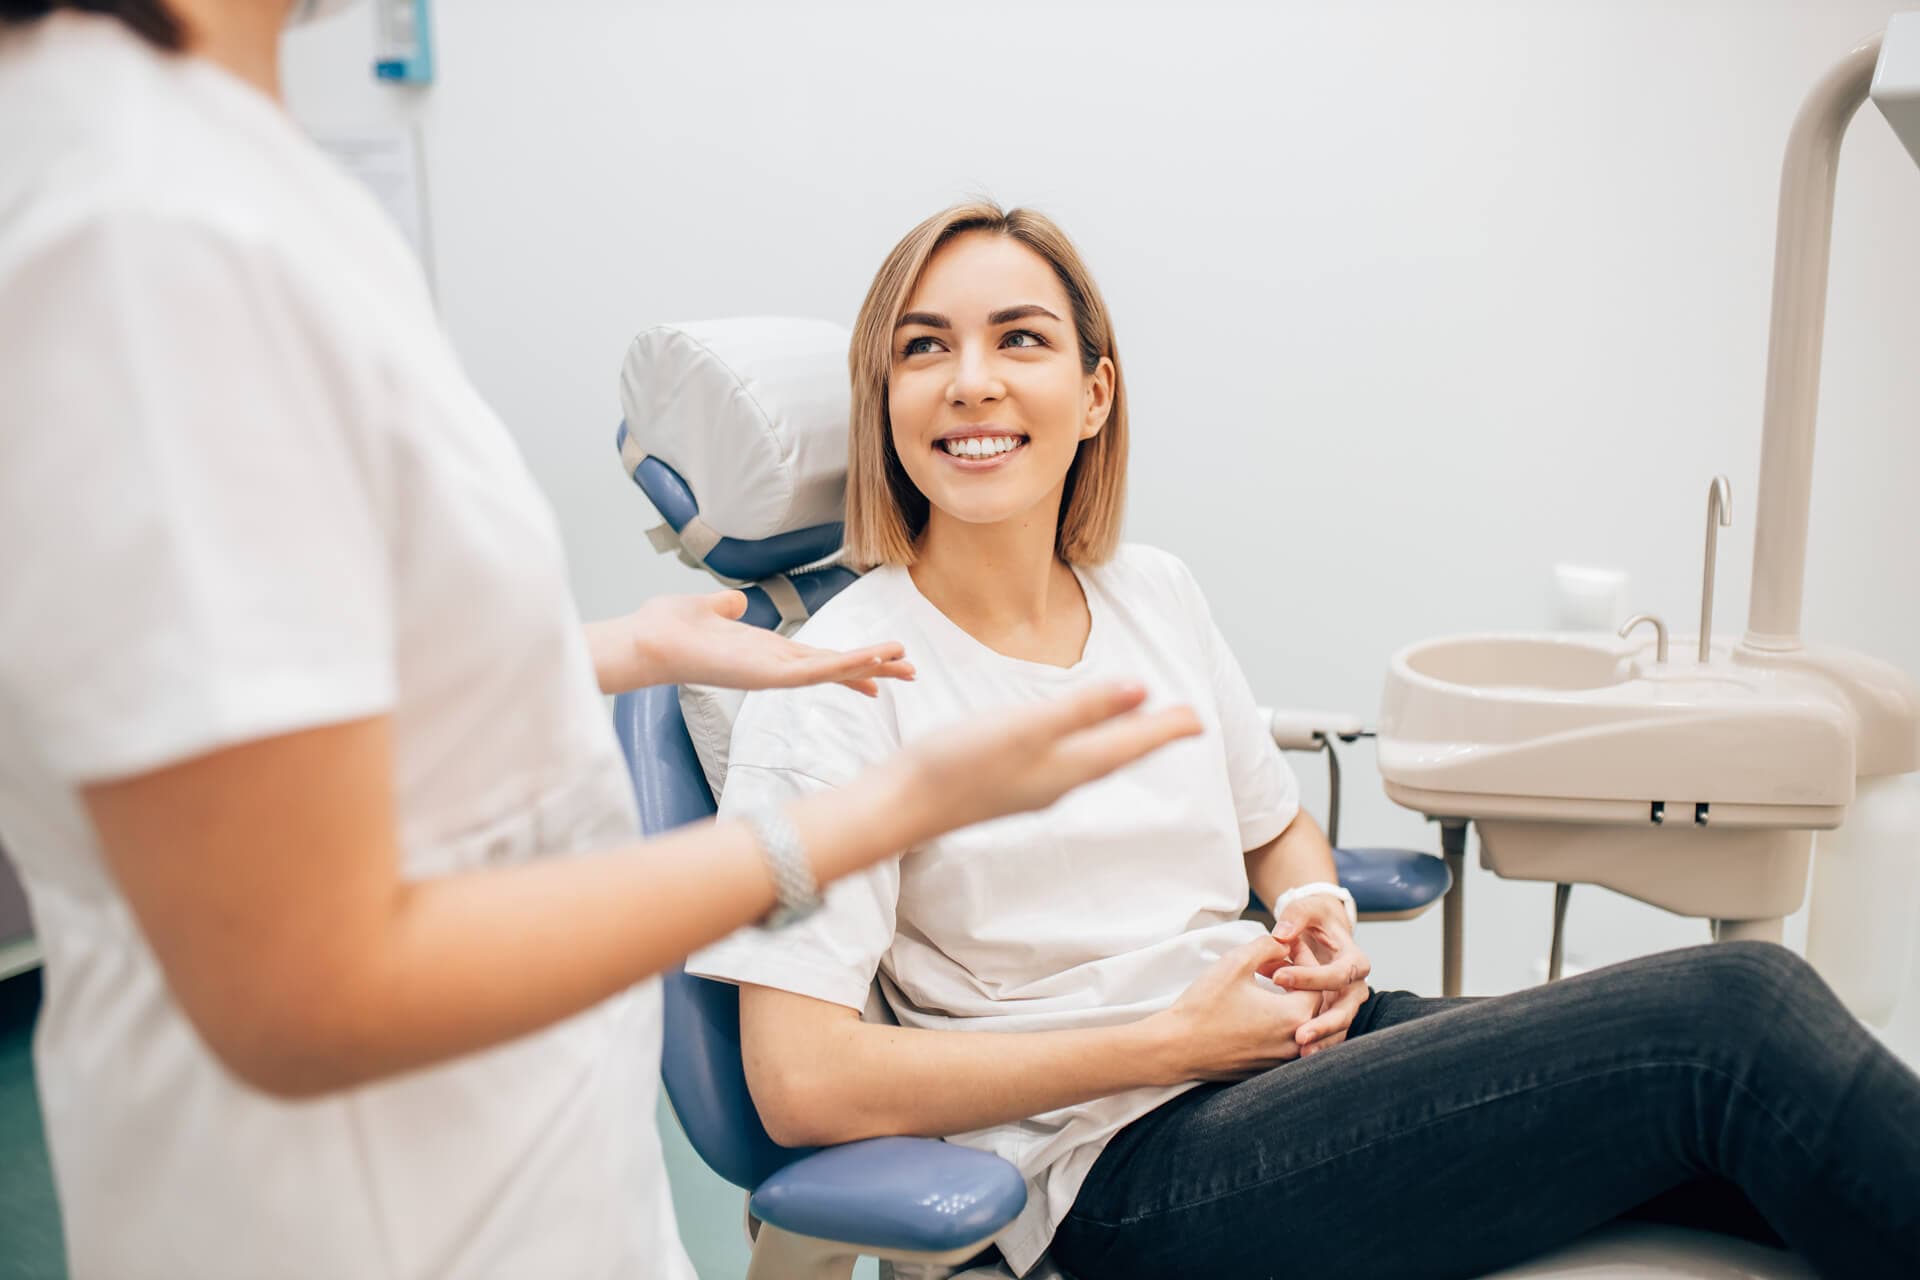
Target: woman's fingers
{"type": "Point", "coordinates": [1329, 1026]}
{"type": "Point", "coordinates": [1323, 1044]}
{"type": "Point", "coordinates": [1262, 956]}
{"type": "Point", "coordinates": [1347, 966]}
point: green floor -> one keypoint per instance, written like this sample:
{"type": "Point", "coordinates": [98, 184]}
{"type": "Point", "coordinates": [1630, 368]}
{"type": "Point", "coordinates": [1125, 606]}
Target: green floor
{"type": "Point", "coordinates": [29, 1220]}
{"type": "Point", "coordinates": [709, 1209]}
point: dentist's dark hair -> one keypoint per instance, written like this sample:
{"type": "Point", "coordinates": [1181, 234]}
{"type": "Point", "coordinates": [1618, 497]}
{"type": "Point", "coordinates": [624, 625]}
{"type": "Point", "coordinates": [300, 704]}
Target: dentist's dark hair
{"type": "Point", "coordinates": [149, 18]}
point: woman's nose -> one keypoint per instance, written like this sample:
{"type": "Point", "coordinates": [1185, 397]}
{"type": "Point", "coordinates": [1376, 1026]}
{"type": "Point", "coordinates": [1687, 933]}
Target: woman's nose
{"type": "Point", "coordinates": [973, 379]}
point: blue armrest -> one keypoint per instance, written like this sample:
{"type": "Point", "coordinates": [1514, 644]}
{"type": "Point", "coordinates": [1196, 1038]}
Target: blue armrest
{"type": "Point", "coordinates": [1386, 881]}
{"type": "Point", "coordinates": [1391, 880]}
{"type": "Point", "coordinates": [910, 1194]}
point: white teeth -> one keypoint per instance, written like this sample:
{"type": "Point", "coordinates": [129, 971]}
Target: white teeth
{"type": "Point", "coordinates": [981, 446]}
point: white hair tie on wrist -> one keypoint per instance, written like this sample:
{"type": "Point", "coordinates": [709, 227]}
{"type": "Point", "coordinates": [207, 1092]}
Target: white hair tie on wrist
{"type": "Point", "coordinates": [1319, 886]}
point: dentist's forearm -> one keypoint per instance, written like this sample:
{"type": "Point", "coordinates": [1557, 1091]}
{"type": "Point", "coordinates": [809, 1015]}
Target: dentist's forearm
{"type": "Point", "coordinates": [1298, 855]}
{"type": "Point", "coordinates": [472, 960]}
{"type": "Point", "coordinates": [266, 878]}
{"type": "Point", "coordinates": [618, 662]}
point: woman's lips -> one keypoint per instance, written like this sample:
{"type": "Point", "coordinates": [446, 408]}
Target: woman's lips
{"type": "Point", "coordinates": [979, 464]}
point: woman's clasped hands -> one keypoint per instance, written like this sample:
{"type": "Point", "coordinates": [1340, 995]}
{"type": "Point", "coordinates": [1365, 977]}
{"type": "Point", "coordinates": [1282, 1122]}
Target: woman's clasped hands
{"type": "Point", "coordinates": [1229, 1025]}
{"type": "Point", "coordinates": [1324, 959]}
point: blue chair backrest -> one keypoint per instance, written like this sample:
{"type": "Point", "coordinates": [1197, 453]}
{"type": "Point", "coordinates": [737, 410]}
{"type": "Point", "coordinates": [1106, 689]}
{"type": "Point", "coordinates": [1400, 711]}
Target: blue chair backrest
{"type": "Point", "coordinates": [701, 1062]}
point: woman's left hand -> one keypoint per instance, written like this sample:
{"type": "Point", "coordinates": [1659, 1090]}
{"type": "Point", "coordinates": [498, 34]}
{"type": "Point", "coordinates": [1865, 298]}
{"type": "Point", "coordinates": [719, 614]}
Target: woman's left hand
{"type": "Point", "coordinates": [1327, 960]}
{"type": "Point", "coordinates": [699, 639]}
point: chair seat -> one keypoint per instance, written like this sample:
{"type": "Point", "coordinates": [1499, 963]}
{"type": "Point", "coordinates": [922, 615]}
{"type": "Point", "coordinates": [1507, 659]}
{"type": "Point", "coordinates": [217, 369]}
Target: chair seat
{"type": "Point", "coordinates": [1392, 881]}
{"type": "Point", "coordinates": [909, 1194]}
{"type": "Point", "coordinates": [1625, 1251]}
{"type": "Point", "coordinates": [1646, 1249]}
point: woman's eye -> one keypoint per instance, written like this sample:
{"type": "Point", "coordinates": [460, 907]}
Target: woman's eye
{"type": "Point", "coordinates": [1037, 340]}
{"type": "Point", "coordinates": [913, 347]}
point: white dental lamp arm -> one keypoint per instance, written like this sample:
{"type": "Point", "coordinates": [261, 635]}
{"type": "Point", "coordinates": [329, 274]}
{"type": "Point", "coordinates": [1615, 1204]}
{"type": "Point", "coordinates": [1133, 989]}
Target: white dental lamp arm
{"type": "Point", "coordinates": [1888, 66]}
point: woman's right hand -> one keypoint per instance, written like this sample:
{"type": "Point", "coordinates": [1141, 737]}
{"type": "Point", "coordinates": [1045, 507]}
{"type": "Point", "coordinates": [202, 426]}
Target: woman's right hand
{"type": "Point", "coordinates": [1029, 757]}
{"type": "Point", "coordinates": [1228, 1025]}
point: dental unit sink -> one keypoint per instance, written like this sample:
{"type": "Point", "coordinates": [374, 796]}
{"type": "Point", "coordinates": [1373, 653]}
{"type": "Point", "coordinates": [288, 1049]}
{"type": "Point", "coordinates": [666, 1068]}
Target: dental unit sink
{"type": "Point", "coordinates": [1696, 780]}
{"type": "Point", "coordinates": [1565, 728]}
{"type": "Point", "coordinates": [1694, 787]}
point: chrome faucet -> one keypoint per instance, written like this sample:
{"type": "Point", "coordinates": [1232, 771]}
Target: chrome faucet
{"type": "Point", "coordinates": [1719, 514]}
{"type": "Point", "coordinates": [1659, 633]}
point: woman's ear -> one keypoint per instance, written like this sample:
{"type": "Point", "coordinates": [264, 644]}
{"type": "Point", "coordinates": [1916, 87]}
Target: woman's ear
{"type": "Point", "coordinates": [1099, 399]}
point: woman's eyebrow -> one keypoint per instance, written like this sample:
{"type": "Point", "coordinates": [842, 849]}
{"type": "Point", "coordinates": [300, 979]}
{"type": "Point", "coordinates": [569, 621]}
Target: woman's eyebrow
{"type": "Point", "coordinates": [1007, 315]}
{"type": "Point", "coordinates": [1023, 312]}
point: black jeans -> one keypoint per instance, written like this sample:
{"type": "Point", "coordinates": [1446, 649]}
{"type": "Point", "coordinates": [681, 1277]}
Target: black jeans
{"type": "Point", "coordinates": [1722, 1085]}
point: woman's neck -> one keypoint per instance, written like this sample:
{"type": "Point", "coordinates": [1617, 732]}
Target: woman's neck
{"type": "Point", "coordinates": [239, 36]}
{"type": "Point", "coordinates": [1004, 585]}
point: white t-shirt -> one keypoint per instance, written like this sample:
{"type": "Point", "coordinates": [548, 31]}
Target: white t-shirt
{"type": "Point", "coordinates": [1098, 910]}
{"type": "Point", "coordinates": [245, 488]}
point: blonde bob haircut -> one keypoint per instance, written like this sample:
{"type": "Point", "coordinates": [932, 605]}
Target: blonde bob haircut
{"type": "Point", "coordinates": [885, 512]}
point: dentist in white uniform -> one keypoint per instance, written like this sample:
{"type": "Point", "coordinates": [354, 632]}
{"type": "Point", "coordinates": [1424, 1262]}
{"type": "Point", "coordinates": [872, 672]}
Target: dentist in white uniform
{"type": "Point", "coordinates": [350, 938]}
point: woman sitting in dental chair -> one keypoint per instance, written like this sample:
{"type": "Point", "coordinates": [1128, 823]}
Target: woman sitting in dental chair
{"type": "Point", "coordinates": [1185, 1093]}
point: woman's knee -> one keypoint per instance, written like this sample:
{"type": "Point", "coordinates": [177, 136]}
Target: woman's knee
{"type": "Point", "coordinates": [1746, 982]}
{"type": "Point", "coordinates": [1769, 964]}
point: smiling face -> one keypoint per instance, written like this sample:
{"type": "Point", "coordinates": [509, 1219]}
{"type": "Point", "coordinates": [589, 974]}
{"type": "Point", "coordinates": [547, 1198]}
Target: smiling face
{"type": "Point", "coordinates": [986, 393]}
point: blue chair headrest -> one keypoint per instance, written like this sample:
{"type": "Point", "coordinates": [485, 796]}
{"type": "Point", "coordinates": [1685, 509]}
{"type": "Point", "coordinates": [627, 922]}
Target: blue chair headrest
{"type": "Point", "coordinates": [745, 560]}
{"type": "Point", "coordinates": [736, 430]}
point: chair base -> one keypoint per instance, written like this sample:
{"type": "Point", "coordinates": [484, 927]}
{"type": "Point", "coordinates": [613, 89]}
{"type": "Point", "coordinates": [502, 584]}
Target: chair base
{"type": "Point", "coordinates": [782, 1255]}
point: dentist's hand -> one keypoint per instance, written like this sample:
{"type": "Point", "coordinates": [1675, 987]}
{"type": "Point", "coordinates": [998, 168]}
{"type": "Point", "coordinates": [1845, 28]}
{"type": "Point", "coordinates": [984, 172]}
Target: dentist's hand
{"type": "Point", "coordinates": [1228, 1025]}
{"type": "Point", "coordinates": [699, 640]}
{"type": "Point", "coordinates": [1028, 757]}
{"type": "Point", "coordinates": [1326, 961]}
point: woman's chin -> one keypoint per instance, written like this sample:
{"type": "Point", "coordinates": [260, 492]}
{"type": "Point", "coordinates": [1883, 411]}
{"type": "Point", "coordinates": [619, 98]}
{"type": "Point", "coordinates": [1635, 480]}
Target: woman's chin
{"type": "Point", "coordinates": [983, 509]}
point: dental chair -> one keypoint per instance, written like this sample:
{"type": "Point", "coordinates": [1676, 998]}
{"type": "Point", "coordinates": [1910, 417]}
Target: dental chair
{"type": "Point", "coordinates": [732, 403]}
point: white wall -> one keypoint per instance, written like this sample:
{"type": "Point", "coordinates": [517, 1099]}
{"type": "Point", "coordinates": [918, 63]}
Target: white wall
{"type": "Point", "coordinates": [1415, 299]}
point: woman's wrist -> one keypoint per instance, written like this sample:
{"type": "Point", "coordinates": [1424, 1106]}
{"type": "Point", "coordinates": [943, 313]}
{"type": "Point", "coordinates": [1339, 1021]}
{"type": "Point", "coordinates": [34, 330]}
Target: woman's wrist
{"type": "Point", "coordinates": [1158, 1042]}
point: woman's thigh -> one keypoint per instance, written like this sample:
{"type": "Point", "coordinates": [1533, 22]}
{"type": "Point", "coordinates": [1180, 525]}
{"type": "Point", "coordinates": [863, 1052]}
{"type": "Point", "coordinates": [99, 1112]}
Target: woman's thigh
{"type": "Point", "coordinates": [1455, 1136]}
{"type": "Point", "coordinates": [1705, 1202]}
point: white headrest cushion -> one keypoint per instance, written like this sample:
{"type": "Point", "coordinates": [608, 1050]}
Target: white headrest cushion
{"type": "Point", "coordinates": [751, 412]}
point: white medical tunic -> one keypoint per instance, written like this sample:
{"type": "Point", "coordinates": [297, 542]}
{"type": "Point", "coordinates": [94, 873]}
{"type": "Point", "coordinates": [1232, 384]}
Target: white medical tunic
{"type": "Point", "coordinates": [1098, 910]}
{"type": "Point", "coordinates": [245, 489]}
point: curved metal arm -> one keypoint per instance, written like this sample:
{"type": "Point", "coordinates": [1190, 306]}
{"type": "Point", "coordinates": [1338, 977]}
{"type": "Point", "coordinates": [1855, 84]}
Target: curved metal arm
{"type": "Point", "coordinates": [1659, 633]}
{"type": "Point", "coordinates": [1719, 513]}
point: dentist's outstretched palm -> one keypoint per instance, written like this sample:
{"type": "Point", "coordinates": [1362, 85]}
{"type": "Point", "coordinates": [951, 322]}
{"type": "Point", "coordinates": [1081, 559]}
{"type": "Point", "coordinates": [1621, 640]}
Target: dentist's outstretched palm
{"type": "Point", "coordinates": [699, 639]}
{"type": "Point", "coordinates": [1027, 758]}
